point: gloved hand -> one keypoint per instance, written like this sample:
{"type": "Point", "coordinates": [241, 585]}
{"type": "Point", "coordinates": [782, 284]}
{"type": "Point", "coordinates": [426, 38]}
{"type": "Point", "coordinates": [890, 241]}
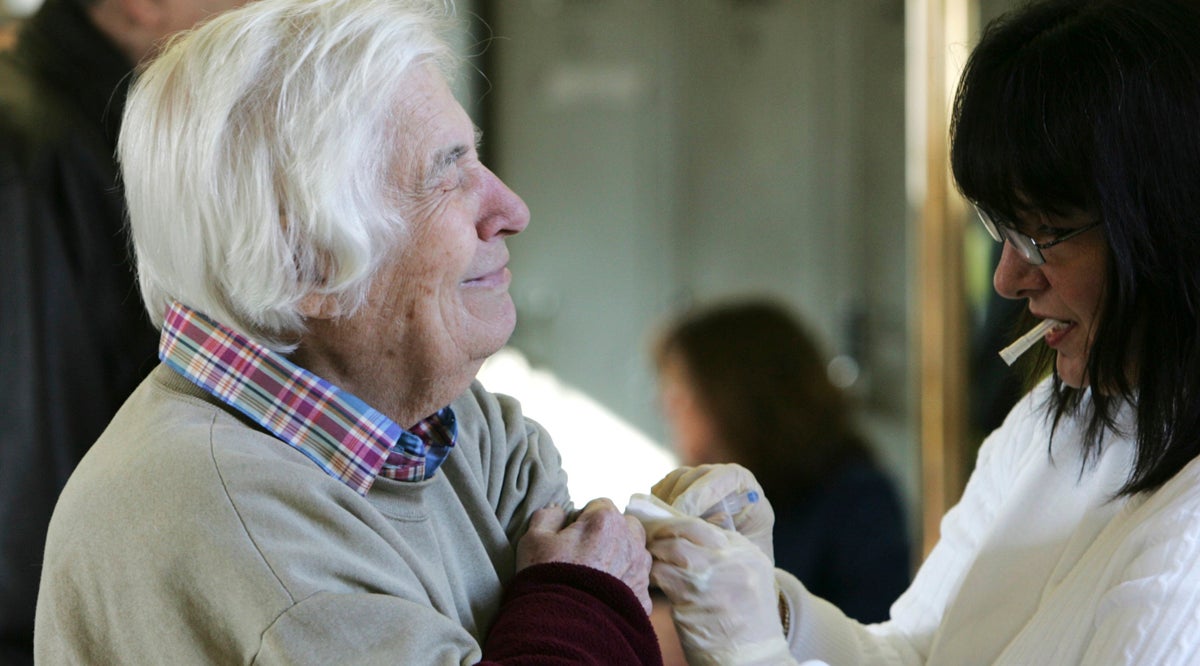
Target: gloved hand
{"type": "Point", "coordinates": [693, 490]}
{"type": "Point", "coordinates": [720, 585]}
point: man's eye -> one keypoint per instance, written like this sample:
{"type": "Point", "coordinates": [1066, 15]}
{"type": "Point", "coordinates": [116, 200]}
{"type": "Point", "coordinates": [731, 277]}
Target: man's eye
{"type": "Point", "coordinates": [452, 180]}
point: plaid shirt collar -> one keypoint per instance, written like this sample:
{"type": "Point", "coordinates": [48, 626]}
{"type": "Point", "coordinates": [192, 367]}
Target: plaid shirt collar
{"type": "Point", "coordinates": [347, 438]}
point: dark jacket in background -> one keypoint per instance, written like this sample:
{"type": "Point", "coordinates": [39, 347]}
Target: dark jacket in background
{"type": "Point", "coordinates": [74, 340]}
{"type": "Point", "coordinates": [847, 541]}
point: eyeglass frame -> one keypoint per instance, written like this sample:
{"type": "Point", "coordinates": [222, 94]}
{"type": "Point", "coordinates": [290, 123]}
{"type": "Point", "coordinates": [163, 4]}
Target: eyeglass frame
{"type": "Point", "coordinates": [1030, 249]}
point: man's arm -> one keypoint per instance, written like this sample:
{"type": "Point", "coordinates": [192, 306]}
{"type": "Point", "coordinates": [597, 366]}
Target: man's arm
{"type": "Point", "coordinates": [581, 594]}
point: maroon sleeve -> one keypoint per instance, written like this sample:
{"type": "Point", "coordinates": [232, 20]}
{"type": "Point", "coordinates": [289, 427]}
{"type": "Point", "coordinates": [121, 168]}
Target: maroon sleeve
{"type": "Point", "coordinates": [559, 613]}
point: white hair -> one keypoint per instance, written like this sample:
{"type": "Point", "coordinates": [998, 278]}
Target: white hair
{"type": "Point", "coordinates": [257, 152]}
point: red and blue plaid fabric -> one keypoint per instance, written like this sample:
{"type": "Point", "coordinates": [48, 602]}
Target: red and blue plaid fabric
{"type": "Point", "coordinates": [347, 438]}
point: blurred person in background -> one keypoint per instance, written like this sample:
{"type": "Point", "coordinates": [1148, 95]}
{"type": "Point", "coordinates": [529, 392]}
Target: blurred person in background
{"type": "Point", "coordinates": [74, 339]}
{"type": "Point", "coordinates": [8, 33]}
{"type": "Point", "coordinates": [744, 382]}
{"type": "Point", "coordinates": [312, 475]}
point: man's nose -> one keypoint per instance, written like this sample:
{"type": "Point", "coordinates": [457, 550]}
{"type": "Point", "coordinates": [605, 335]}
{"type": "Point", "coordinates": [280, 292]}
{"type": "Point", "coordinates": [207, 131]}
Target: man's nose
{"type": "Point", "coordinates": [505, 213]}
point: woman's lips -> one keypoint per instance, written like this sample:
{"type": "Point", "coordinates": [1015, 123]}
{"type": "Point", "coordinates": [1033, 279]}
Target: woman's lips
{"type": "Point", "coordinates": [1056, 334]}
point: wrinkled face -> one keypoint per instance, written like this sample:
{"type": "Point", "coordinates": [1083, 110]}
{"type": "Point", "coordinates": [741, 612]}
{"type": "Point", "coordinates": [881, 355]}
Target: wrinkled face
{"type": "Point", "coordinates": [693, 433]}
{"type": "Point", "coordinates": [441, 305]}
{"type": "Point", "coordinates": [1069, 287]}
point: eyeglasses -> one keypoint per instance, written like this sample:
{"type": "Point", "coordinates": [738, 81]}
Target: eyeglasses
{"type": "Point", "coordinates": [1030, 249]}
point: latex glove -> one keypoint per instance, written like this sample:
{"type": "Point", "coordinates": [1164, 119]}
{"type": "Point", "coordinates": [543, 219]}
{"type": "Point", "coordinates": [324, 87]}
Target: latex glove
{"type": "Point", "coordinates": [693, 490]}
{"type": "Point", "coordinates": [599, 537]}
{"type": "Point", "coordinates": [720, 585]}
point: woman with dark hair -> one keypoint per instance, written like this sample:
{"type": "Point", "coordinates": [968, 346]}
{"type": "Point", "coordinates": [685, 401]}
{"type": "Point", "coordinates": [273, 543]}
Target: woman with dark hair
{"type": "Point", "coordinates": [1076, 135]}
{"type": "Point", "coordinates": [745, 383]}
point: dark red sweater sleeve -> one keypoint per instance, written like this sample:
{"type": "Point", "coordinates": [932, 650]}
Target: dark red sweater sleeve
{"type": "Point", "coordinates": [558, 613]}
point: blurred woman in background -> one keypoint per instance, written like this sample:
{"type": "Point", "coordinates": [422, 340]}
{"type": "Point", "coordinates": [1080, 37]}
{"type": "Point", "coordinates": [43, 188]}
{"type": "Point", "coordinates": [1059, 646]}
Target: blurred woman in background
{"type": "Point", "coordinates": [744, 382]}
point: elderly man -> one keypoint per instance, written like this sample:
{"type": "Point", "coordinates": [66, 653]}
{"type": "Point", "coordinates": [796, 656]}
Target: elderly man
{"type": "Point", "coordinates": [311, 475]}
{"type": "Point", "coordinates": [74, 339]}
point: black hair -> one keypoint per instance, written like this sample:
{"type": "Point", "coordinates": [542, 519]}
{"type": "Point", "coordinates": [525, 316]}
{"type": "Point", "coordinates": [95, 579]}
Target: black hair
{"type": "Point", "coordinates": [1094, 105]}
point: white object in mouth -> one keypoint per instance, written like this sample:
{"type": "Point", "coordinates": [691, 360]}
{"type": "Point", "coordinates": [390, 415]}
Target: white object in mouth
{"type": "Point", "coordinates": [1022, 344]}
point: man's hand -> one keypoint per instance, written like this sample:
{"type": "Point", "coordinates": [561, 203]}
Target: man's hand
{"type": "Point", "coordinates": [600, 537]}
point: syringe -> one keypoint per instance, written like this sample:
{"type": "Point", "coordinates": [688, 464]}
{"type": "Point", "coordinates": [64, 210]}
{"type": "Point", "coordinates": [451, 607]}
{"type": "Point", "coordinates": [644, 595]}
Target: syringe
{"type": "Point", "coordinates": [728, 506]}
{"type": "Point", "coordinates": [1023, 343]}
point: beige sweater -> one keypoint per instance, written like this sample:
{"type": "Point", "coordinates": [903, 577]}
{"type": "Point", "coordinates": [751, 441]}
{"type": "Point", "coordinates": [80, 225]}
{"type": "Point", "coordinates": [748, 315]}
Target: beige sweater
{"type": "Point", "coordinates": [188, 536]}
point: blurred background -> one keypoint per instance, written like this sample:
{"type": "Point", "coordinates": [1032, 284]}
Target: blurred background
{"type": "Point", "coordinates": [679, 152]}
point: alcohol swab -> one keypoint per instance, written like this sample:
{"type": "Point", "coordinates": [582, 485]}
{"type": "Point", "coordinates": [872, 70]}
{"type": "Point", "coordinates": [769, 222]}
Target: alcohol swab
{"type": "Point", "coordinates": [1012, 352]}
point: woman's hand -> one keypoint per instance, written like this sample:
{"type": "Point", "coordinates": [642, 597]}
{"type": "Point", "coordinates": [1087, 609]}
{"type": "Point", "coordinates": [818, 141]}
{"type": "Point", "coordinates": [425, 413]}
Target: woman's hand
{"type": "Point", "coordinates": [693, 490]}
{"type": "Point", "coordinates": [722, 592]}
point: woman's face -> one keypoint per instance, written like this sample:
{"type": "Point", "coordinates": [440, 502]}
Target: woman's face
{"type": "Point", "coordinates": [693, 433]}
{"type": "Point", "coordinates": [1069, 287]}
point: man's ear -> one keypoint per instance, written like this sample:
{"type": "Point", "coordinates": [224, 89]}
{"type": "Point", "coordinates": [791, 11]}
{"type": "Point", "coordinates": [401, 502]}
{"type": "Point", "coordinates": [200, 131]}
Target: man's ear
{"type": "Point", "coordinates": [320, 306]}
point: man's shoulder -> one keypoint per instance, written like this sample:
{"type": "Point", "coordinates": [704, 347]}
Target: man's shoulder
{"type": "Point", "coordinates": [170, 451]}
{"type": "Point", "coordinates": [172, 423]}
{"type": "Point", "coordinates": [477, 405]}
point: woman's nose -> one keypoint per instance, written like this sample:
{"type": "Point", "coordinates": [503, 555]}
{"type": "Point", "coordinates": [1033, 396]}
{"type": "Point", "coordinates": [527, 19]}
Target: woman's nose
{"type": "Point", "coordinates": [1015, 277]}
